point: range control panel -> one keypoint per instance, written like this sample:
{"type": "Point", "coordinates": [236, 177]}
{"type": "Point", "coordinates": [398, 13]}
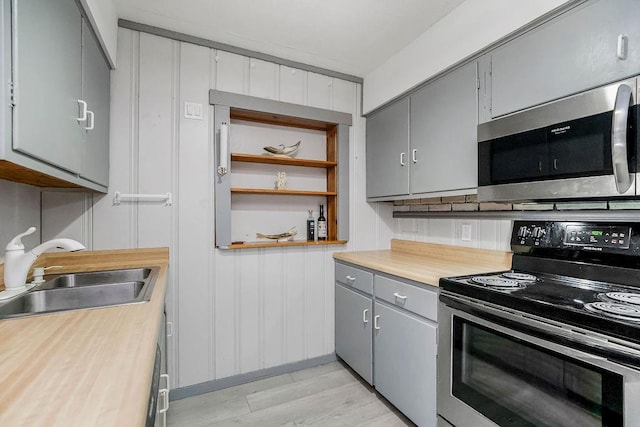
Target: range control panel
{"type": "Point", "coordinates": [600, 237]}
{"type": "Point", "coordinates": [587, 236]}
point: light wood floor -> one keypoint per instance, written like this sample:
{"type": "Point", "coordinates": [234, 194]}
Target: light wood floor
{"type": "Point", "coordinates": [328, 395]}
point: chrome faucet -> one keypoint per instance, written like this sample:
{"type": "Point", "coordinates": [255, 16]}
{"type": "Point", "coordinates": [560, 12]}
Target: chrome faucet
{"type": "Point", "coordinates": [17, 263]}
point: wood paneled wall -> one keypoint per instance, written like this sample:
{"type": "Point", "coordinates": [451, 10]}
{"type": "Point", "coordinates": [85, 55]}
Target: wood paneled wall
{"type": "Point", "coordinates": [237, 311]}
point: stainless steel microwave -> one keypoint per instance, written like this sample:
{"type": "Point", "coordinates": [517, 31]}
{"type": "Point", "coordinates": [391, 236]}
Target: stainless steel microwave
{"type": "Point", "coordinates": [581, 147]}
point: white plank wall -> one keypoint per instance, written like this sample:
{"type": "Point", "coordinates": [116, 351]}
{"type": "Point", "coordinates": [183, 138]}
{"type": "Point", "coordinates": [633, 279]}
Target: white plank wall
{"type": "Point", "coordinates": [233, 312]}
{"type": "Point", "coordinates": [19, 210]}
{"type": "Point", "coordinates": [485, 233]}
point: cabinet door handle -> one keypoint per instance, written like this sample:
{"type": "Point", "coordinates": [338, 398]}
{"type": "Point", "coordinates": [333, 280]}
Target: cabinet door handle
{"type": "Point", "coordinates": [364, 315]}
{"type": "Point", "coordinates": [163, 396]}
{"type": "Point", "coordinates": [83, 111]}
{"type": "Point", "coordinates": [621, 51]}
{"type": "Point", "coordinates": [375, 322]}
{"type": "Point", "coordinates": [166, 377]}
{"type": "Point", "coordinates": [398, 296]}
{"type": "Point", "coordinates": [402, 159]}
{"type": "Point", "coordinates": [350, 278]}
{"type": "Point", "coordinates": [91, 120]}
{"type": "Point", "coordinates": [414, 155]}
{"type": "Point", "coordinates": [555, 164]}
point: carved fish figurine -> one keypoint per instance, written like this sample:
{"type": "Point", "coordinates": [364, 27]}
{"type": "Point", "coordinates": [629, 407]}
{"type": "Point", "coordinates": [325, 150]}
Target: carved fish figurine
{"type": "Point", "coordinates": [283, 151]}
{"type": "Point", "coordinates": [282, 237]}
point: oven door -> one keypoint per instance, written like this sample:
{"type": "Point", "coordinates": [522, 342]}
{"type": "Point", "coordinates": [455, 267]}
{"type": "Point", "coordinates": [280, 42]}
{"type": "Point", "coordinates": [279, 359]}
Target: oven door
{"type": "Point", "coordinates": [493, 371]}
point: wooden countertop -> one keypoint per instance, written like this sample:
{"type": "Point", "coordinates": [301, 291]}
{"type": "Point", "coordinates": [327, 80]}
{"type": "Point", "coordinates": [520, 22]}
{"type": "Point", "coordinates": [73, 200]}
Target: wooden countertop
{"type": "Point", "coordinates": [87, 367]}
{"type": "Point", "coordinates": [428, 262]}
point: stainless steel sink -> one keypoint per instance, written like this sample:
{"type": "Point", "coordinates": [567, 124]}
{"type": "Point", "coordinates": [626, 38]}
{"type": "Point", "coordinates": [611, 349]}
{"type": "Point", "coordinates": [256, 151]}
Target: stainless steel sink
{"type": "Point", "coordinates": [84, 290]}
{"type": "Point", "coordinates": [96, 278]}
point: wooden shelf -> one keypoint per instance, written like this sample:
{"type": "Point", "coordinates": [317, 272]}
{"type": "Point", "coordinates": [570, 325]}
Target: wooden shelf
{"type": "Point", "coordinates": [255, 245]}
{"type": "Point", "coordinates": [274, 160]}
{"type": "Point", "coordinates": [282, 192]}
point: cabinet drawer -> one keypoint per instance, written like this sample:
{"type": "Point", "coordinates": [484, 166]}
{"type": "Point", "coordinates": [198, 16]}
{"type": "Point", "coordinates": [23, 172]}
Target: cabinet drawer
{"type": "Point", "coordinates": [354, 277]}
{"type": "Point", "coordinates": [413, 298]}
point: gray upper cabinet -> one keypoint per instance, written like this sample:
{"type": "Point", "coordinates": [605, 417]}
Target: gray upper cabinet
{"type": "Point", "coordinates": [426, 142]}
{"type": "Point", "coordinates": [57, 69]}
{"type": "Point", "coordinates": [95, 92]}
{"type": "Point", "coordinates": [593, 44]}
{"type": "Point", "coordinates": [48, 84]}
{"type": "Point", "coordinates": [443, 133]}
{"type": "Point", "coordinates": [388, 151]}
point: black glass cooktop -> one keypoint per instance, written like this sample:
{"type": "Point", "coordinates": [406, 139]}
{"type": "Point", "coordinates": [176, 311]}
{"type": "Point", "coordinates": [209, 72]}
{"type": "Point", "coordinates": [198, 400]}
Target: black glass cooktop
{"type": "Point", "coordinates": [600, 306]}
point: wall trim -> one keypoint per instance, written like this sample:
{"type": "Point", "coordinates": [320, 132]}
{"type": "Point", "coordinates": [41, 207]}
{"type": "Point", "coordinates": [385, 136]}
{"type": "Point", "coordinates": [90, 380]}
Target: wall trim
{"type": "Point", "coordinates": [209, 386]}
{"type": "Point", "coordinates": [136, 26]}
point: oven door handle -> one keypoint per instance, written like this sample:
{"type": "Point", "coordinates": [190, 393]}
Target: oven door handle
{"type": "Point", "coordinates": [573, 342]}
{"type": "Point", "coordinates": [619, 138]}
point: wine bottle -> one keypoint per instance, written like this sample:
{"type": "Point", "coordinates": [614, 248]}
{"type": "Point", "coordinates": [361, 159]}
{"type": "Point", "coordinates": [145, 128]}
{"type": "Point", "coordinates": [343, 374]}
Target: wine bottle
{"type": "Point", "coordinates": [322, 225]}
{"type": "Point", "coordinates": [311, 227]}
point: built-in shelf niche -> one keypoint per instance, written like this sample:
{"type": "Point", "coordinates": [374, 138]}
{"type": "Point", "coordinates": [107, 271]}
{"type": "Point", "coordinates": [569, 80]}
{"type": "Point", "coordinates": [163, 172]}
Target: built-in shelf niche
{"type": "Point", "coordinates": [247, 201]}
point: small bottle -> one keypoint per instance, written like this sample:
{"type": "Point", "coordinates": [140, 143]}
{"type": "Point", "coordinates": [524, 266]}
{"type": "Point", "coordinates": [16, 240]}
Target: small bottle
{"type": "Point", "coordinates": [311, 227]}
{"type": "Point", "coordinates": [322, 225]}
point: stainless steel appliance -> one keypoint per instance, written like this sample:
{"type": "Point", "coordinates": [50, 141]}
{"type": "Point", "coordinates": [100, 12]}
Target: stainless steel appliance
{"type": "Point", "coordinates": [583, 146]}
{"type": "Point", "coordinates": [553, 342]}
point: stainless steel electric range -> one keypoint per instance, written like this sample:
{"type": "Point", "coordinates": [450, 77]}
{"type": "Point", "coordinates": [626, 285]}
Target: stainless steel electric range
{"type": "Point", "coordinates": [553, 342]}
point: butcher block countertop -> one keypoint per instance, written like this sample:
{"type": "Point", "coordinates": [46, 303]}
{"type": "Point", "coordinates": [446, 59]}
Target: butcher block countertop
{"type": "Point", "coordinates": [86, 367]}
{"type": "Point", "coordinates": [428, 262]}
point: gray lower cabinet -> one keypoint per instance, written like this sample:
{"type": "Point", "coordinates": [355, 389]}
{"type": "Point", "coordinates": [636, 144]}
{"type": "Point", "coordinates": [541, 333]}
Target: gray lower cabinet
{"type": "Point", "coordinates": [354, 317]}
{"type": "Point", "coordinates": [405, 363]}
{"type": "Point", "coordinates": [388, 151]}
{"type": "Point", "coordinates": [595, 43]}
{"type": "Point", "coordinates": [58, 107]}
{"type": "Point", "coordinates": [386, 330]}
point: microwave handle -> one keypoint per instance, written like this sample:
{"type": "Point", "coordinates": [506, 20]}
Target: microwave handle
{"type": "Point", "coordinates": [619, 138]}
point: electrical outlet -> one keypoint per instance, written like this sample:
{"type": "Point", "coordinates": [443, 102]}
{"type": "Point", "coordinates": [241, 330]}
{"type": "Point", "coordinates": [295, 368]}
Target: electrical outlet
{"type": "Point", "coordinates": [465, 233]}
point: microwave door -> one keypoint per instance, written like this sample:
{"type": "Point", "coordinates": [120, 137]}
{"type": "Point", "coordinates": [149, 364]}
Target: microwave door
{"type": "Point", "coordinates": [619, 138]}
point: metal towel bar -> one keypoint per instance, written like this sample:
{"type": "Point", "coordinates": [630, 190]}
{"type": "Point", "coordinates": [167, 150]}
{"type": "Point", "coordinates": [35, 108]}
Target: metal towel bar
{"type": "Point", "coordinates": [122, 197]}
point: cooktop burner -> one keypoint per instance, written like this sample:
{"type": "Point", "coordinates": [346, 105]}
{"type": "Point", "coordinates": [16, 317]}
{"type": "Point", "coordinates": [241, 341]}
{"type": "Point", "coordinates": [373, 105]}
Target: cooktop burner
{"type": "Point", "coordinates": [519, 276]}
{"type": "Point", "coordinates": [623, 297]}
{"type": "Point", "coordinates": [497, 282]}
{"type": "Point", "coordinates": [617, 311]}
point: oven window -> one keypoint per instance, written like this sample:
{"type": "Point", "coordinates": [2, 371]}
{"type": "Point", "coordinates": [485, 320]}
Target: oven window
{"type": "Point", "coordinates": [515, 383]}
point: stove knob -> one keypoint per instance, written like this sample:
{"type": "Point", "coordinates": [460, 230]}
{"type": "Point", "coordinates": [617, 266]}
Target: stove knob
{"type": "Point", "coordinates": [538, 232]}
{"type": "Point", "coordinates": [523, 231]}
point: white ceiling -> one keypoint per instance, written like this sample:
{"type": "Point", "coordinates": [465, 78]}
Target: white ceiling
{"type": "Point", "coordinates": [349, 36]}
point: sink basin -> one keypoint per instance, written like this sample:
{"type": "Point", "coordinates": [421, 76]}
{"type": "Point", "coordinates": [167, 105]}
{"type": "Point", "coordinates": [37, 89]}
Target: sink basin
{"type": "Point", "coordinates": [84, 290]}
{"type": "Point", "coordinates": [96, 278]}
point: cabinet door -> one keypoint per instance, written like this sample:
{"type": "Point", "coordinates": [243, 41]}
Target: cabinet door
{"type": "Point", "coordinates": [388, 151]}
{"type": "Point", "coordinates": [354, 317]}
{"type": "Point", "coordinates": [405, 363]}
{"type": "Point", "coordinates": [573, 52]}
{"type": "Point", "coordinates": [444, 119]}
{"type": "Point", "coordinates": [95, 91]}
{"type": "Point", "coordinates": [47, 77]}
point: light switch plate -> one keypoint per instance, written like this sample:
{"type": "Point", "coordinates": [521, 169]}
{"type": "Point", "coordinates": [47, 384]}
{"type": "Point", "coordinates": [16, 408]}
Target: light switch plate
{"type": "Point", "coordinates": [192, 110]}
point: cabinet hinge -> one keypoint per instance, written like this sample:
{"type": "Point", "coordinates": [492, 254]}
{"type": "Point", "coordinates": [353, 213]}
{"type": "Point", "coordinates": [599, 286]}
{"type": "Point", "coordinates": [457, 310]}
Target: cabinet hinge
{"type": "Point", "coordinates": [12, 99]}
